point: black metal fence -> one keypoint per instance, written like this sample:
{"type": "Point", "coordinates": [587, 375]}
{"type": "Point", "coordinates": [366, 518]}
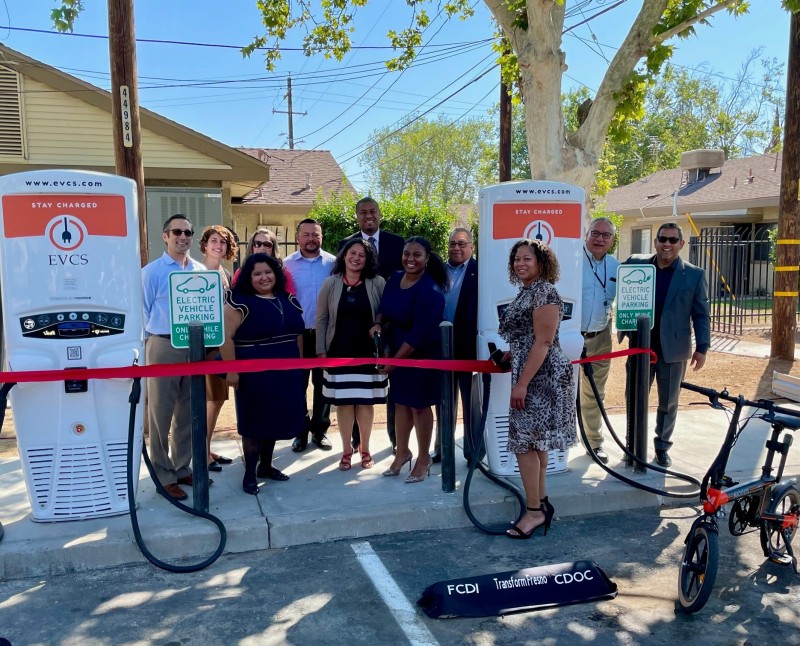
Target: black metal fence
{"type": "Point", "coordinates": [286, 243]}
{"type": "Point", "coordinates": [741, 276]}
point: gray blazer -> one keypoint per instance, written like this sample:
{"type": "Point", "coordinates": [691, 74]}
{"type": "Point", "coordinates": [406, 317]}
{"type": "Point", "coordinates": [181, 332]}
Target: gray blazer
{"type": "Point", "coordinates": [685, 308]}
{"type": "Point", "coordinates": [328, 305]}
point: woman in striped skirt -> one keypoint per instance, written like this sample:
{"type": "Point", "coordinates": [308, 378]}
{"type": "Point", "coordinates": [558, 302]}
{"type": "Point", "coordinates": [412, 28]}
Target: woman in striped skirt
{"type": "Point", "coordinates": [346, 308]}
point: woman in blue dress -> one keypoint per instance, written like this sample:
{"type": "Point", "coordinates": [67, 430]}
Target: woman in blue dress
{"type": "Point", "coordinates": [408, 319]}
{"type": "Point", "coordinates": [263, 321]}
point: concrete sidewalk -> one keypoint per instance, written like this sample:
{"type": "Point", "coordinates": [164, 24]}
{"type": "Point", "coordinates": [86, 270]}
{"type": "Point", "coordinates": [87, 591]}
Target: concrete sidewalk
{"type": "Point", "coordinates": [321, 503]}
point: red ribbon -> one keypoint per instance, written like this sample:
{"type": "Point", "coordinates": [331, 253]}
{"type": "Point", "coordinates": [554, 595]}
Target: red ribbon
{"type": "Point", "coordinates": [258, 365]}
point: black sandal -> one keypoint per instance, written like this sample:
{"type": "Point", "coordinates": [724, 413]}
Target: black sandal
{"type": "Point", "coordinates": [521, 535]}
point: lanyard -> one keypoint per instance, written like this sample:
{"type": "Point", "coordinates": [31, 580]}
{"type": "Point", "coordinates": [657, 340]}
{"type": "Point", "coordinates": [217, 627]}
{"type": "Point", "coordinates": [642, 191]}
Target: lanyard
{"type": "Point", "coordinates": [594, 271]}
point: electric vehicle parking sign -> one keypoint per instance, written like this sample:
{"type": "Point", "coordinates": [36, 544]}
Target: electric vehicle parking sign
{"type": "Point", "coordinates": [636, 295]}
{"type": "Point", "coordinates": [196, 296]}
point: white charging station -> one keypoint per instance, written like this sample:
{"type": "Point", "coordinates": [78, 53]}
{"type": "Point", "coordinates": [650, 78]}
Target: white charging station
{"type": "Point", "coordinates": [548, 211]}
{"type": "Point", "coordinates": [71, 294]}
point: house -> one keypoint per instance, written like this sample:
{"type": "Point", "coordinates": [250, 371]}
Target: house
{"type": "Point", "coordinates": [726, 209]}
{"type": "Point", "coordinates": [296, 179]}
{"type": "Point", "coordinates": [50, 119]}
{"type": "Point", "coordinates": [712, 191]}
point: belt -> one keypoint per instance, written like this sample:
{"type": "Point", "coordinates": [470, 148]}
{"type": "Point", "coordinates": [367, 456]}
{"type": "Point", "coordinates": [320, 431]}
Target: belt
{"type": "Point", "coordinates": [310, 330]}
{"type": "Point", "coordinates": [162, 336]}
{"type": "Point", "coordinates": [591, 335]}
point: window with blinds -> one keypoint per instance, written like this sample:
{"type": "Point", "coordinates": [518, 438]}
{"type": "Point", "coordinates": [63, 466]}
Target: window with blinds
{"type": "Point", "coordinates": [11, 140]}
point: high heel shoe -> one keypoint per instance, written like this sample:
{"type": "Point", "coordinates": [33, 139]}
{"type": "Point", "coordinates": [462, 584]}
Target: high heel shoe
{"type": "Point", "coordinates": [521, 535]}
{"type": "Point", "coordinates": [412, 479]}
{"type": "Point", "coordinates": [549, 511]}
{"type": "Point", "coordinates": [389, 473]}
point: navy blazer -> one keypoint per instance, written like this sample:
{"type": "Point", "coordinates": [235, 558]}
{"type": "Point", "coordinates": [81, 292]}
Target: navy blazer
{"type": "Point", "coordinates": [390, 251]}
{"type": "Point", "coordinates": [685, 308]}
{"type": "Point", "coordinates": [465, 323]}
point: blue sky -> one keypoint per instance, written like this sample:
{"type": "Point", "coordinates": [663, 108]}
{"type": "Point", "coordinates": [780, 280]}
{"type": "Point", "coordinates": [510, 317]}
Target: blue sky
{"type": "Point", "coordinates": [345, 102]}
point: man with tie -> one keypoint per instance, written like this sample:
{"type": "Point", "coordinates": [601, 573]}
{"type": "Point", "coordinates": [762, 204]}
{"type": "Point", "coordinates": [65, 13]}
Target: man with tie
{"type": "Point", "coordinates": [388, 245]}
{"type": "Point", "coordinates": [390, 255]}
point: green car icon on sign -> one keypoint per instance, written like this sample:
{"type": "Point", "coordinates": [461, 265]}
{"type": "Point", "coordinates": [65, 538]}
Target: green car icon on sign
{"type": "Point", "coordinates": [637, 276]}
{"type": "Point", "coordinates": [195, 284]}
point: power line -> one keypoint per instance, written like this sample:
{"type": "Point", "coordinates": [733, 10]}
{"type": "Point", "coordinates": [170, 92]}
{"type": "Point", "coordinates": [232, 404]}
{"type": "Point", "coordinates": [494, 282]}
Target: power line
{"type": "Point", "coordinates": [217, 45]}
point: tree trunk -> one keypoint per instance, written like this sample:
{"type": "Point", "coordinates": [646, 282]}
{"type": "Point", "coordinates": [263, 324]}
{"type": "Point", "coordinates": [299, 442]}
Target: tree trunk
{"type": "Point", "coordinates": [784, 304]}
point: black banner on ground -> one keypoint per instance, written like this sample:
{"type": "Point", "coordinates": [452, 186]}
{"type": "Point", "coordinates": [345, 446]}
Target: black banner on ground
{"type": "Point", "coordinates": [500, 594]}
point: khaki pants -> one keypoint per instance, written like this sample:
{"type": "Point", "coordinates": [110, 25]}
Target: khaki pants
{"type": "Point", "coordinates": [169, 414]}
{"type": "Point", "coordinates": [590, 411]}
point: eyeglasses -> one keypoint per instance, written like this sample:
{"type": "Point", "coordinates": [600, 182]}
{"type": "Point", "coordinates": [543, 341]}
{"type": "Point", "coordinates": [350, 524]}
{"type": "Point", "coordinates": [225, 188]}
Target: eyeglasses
{"type": "Point", "coordinates": [258, 244]}
{"type": "Point", "coordinates": [177, 232]}
{"type": "Point", "coordinates": [670, 239]}
{"type": "Point", "coordinates": [460, 244]}
{"type": "Point", "coordinates": [601, 234]}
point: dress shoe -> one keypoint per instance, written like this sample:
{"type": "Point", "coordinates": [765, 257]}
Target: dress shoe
{"type": "Point", "coordinates": [214, 466]}
{"type": "Point", "coordinates": [271, 473]}
{"type": "Point", "coordinates": [189, 480]}
{"type": "Point", "coordinates": [300, 443]}
{"type": "Point", "coordinates": [249, 485]}
{"type": "Point", "coordinates": [174, 491]}
{"type": "Point", "coordinates": [436, 456]}
{"type": "Point", "coordinates": [322, 442]}
{"type": "Point", "coordinates": [600, 453]}
{"type": "Point", "coordinates": [663, 459]}
{"type": "Point", "coordinates": [221, 459]}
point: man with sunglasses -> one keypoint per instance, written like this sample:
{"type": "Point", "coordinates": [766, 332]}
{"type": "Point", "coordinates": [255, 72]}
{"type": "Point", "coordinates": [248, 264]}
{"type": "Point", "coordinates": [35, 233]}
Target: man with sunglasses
{"type": "Point", "coordinates": [168, 405]}
{"type": "Point", "coordinates": [599, 291]}
{"type": "Point", "coordinates": [681, 305]}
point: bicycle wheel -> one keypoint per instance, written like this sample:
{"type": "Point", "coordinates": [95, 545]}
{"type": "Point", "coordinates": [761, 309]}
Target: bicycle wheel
{"type": "Point", "coordinates": [698, 568]}
{"type": "Point", "coordinates": [772, 538]}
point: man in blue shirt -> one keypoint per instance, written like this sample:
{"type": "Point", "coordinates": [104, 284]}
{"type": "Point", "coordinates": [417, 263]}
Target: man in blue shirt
{"type": "Point", "coordinates": [168, 405]}
{"type": "Point", "coordinates": [310, 266]}
{"type": "Point", "coordinates": [461, 309]}
{"type": "Point", "coordinates": [599, 291]}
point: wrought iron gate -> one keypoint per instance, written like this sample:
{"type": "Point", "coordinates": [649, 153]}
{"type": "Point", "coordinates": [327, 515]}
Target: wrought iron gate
{"type": "Point", "coordinates": [738, 264]}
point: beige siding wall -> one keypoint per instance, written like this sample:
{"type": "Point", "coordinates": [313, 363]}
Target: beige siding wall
{"type": "Point", "coordinates": [62, 129]}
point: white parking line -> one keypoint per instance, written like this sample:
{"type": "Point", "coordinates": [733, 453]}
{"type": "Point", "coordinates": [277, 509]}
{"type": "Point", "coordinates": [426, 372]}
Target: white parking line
{"type": "Point", "coordinates": [404, 613]}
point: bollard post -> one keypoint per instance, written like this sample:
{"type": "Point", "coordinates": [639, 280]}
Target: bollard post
{"type": "Point", "coordinates": [197, 352]}
{"type": "Point", "coordinates": [631, 379]}
{"type": "Point", "coordinates": [642, 393]}
{"type": "Point", "coordinates": [446, 421]}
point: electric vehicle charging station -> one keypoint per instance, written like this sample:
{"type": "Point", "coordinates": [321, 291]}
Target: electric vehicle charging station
{"type": "Point", "coordinates": [548, 211]}
{"type": "Point", "coordinates": [71, 296]}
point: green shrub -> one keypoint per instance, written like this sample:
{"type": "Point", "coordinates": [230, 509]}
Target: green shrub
{"type": "Point", "coordinates": [401, 215]}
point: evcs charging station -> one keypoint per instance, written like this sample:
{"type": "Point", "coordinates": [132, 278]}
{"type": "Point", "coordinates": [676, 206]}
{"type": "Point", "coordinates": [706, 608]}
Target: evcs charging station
{"type": "Point", "coordinates": [71, 294]}
{"type": "Point", "coordinates": [548, 211]}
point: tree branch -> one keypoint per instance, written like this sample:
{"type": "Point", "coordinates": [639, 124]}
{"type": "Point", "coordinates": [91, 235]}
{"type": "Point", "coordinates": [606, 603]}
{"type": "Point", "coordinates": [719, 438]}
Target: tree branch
{"type": "Point", "coordinates": [677, 29]}
{"type": "Point", "coordinates": [636, 44]}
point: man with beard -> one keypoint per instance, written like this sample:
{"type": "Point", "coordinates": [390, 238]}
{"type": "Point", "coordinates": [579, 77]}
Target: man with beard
{"type": "Point", "coordinates": [310, 266]}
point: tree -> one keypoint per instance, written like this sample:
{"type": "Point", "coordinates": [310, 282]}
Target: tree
{"type": "Point", "coordinates": [683, 110]}
{"type": "Point", "coordinates": [426, 158]}
{"type": "Point", "coordinates": [532, 59]}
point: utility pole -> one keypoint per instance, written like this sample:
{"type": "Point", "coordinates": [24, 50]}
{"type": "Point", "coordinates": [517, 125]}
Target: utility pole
{"type": "Point", "coordinates": [505, 134]}
{"type": "Point", "coordinates": [125, 106]}
{"type": "Point", "coordinates": [288, 97]}
{"type": "Point", "coordinates": [784, 302]}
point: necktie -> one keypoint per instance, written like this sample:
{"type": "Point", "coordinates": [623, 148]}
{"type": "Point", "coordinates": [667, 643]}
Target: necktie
{"type": "Point", "coordinates": [373, 242]}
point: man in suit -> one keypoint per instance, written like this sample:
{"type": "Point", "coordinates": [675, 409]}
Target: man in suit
{"type": "Point", "coordinates": [461, 309]}
{"type": "Point", "coordinates": [681, 305]}
{"type": "Point", "coordinates": [390, 256]}
{"type": "Point", "coordinates": [388, 245]}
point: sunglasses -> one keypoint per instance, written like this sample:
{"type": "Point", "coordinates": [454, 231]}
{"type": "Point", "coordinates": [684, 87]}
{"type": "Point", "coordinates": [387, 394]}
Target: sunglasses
{"type": "Point", "coordinates": [670, 239]}
{"type": "Point", "coordinates": [601, 234]}
{"type": "Point", "coordinates": [460, 244]}
{"type": "Point", "coordinates": [258, 244]}
{"type": "Point", "coordinates": [177, 232]}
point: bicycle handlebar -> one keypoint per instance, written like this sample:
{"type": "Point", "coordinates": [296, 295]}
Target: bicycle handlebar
{"type": "Point", "coordinates": [764, 404]}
